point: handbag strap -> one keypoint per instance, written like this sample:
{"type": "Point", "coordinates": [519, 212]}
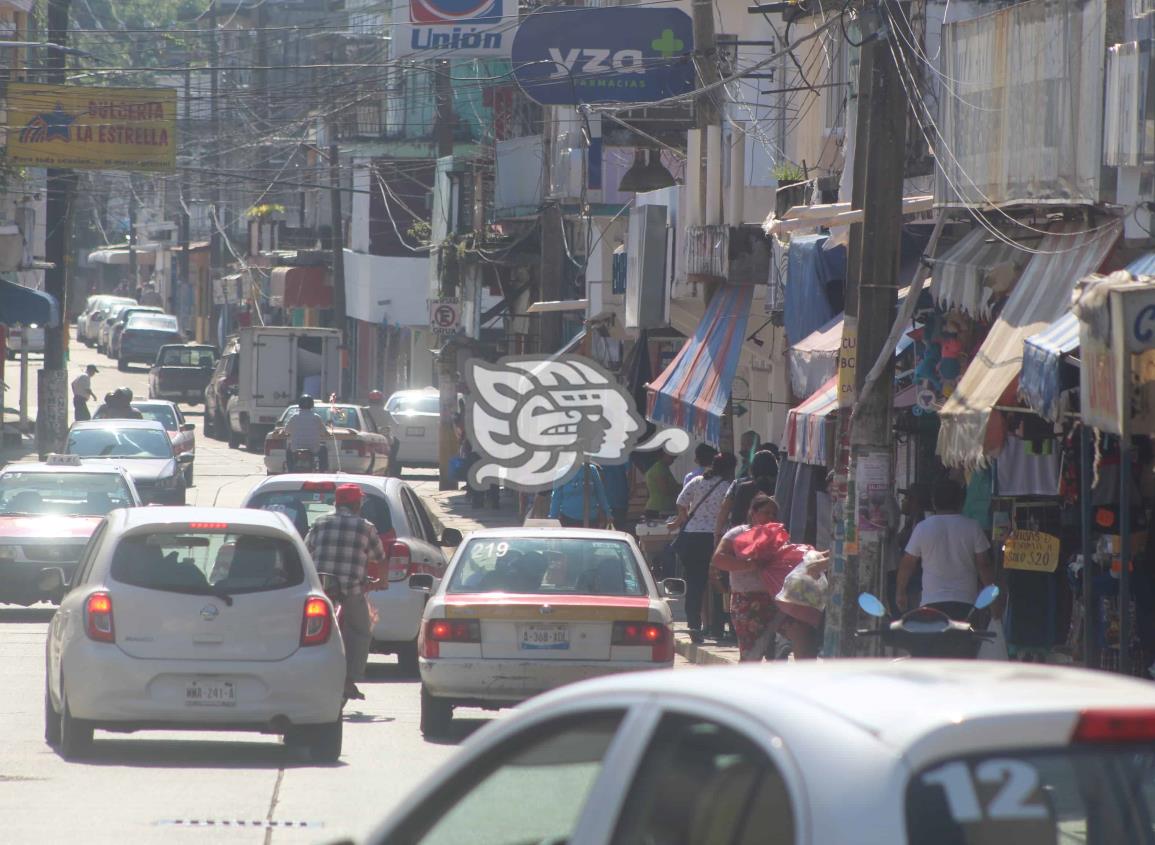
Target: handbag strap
{"type": "Point", "coordinates": [701, 502]}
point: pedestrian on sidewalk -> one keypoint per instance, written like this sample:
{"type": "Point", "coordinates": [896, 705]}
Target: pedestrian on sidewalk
{"type": "Point", "coordinates": [698, 506]}
{"type": "Point", "coordinates": [568, 502]}
{"type": "Point", "coordinates": [617, 482]}
{"type": "Point", "coordinates": [662, 487]}
{"type": "Point", "coordinates": [343, 544]}
{"type": "Point", "coordinates": [118, 406]}
{"type": "Point", "coordinates": [82, 392]}
{"type": "Point", "coordinates": [704, 455]}
{"type": "Point", "coordinates": [752, 607]}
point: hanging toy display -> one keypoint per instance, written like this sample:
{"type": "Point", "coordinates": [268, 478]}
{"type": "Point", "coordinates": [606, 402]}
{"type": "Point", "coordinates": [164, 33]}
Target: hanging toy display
{"type": "Point", "coordinates": [944, 345]}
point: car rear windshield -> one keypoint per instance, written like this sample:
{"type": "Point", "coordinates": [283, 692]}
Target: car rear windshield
{"type": "Point", "coordinates": [205, 562]}
{"type": "Point", "coordinates": [1094, 795]}
{"type": "Point", "coordinates": [163, 414]}
{"type": "Point", "coordinates": [413, 404]}
{"type": "Point", "coordinates": [119, 443]}
{"type": "Point", "coordinates": [189, 357]}
{"type": "Point", "coordinates": [339, 417]}
{"type": "Point", "coordinates": [63, 494]}
{"type": "Point", "coordinates": [304, 507]}
{"type": "Point", "coordinates": [561, 566]}
{"type": "Point", "coordinates": [151, 322]}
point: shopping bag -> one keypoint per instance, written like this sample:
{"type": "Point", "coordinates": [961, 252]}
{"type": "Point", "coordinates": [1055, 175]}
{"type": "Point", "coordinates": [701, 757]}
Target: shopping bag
{"type": "Point", "coordinates": [996, 648]}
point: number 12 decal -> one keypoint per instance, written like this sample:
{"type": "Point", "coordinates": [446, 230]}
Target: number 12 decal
{"type": "Point", "coordinates": [1017, 782]}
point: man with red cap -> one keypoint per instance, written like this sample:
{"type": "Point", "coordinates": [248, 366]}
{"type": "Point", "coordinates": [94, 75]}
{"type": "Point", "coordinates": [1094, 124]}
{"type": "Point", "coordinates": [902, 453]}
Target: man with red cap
{"type": "Point", "coordinates": [342, 545]}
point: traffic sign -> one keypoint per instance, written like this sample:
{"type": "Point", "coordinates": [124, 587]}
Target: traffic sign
{"type": "Point", "coordinates": [445, 316]}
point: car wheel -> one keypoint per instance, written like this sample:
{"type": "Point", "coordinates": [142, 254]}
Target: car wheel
{"type": "Point", "coordinates": [436, 715]}
{"type": "Point", "coordinates": [254, 440]}
{"type": "Point", "coordinates": [51, 719]}
{"type": "Point", "coordinates": [407, 660]}
{"type": "Point", "coordinates": [325, 742]}
{"type": "Point", "coordinates": [188, 477]}
{"type": "Point", "coordinates": [75, 734]}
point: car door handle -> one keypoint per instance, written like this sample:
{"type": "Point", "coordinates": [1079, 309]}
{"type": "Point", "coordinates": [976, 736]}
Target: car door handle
{"type": "Point", "coordinates": [208, 640]}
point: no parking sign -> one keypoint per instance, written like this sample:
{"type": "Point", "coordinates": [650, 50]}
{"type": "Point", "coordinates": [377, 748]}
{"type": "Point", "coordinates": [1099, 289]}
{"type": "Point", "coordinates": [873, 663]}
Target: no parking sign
{"type": "Point", "coordinates": [444, 316]}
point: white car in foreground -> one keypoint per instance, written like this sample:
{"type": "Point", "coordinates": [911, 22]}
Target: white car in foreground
{"type": "Point", "coordinates": [524, 610]}
{"type": "Point", "coordinates": [195, 619]}
{"type": "Point", "coordinates": [849, 751]}
{"type": "Point", "coordinates": [412, 545]}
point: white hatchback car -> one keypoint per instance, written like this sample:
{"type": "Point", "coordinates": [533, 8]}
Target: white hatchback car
{"type": "Point", "coordinates": [524, 610]}
{"type": "Point", "coordinates": [197, 619]}
{"type": "Point", "coordinates": [848, 751]}
{"type": "Point", "coordinates": [412, 543]}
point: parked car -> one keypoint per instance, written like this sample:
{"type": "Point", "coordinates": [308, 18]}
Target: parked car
{"type": "Point", "coordinates": [143, 336]}
{"type": "Point", "coordinates": [142, 447]}
{"type": "Point", "coordinates": [412, 542]}
{"type": "Point", "coordinates": [47, 513]}
{"type": "Point", "coordinates": [181, 372]}
{"type": "Point", "coordinates": [523, 610]}
{"type": "Point", "coordinates": [181, 432]}
{"type": "Point", "coordinates": [95, 310]}
{"type": "Point", "coordinates": [110, 319]}
{"type": "Point", "coordinates": [195, 618]}
{"type": "Point", "coordinates": [416, 418]}
{"type": "Point", "coordinates": [117, 330]}
{"type": "Point", "coordinates": [20, 337]}
{"type": "Point", "coordinates": [845, 751]}
{"type": "Point", "coordinates": [222, 385]}
{"type": "Point", "coordinates": [354, 445]}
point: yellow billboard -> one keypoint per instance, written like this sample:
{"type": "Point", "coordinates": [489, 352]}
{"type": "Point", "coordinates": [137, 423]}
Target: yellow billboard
{"type": "Point", "coordinates": [86, 128]}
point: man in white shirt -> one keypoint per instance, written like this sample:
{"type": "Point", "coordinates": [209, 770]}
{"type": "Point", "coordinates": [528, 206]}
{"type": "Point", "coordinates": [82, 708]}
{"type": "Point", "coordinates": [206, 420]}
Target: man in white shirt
{"type": "Point", "coordinates": [82, 392]}
{"type": "Point", "coordinates": [955, 556]}
{"type": "Point", "coordinates": [306, 430]}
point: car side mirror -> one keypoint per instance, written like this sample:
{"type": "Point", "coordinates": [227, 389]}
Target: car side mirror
{"type": "Point", "coordinates": [51, 579]}
{"type": "Point", "coordinates": [451, 537]}
{"type": "Point", "coordinates": [187, 427]}
{"type": "Point", "coordinates": [184, 458]}
{"type": "Point", "coordinates": [421, 581]}
{"type": "Point", "coordinates": [673, 587]}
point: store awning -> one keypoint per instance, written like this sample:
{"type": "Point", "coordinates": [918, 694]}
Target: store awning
{"type": "Point", "coordinates": [121, 256]}
{"type": "Point", "coordinates": [691, 393]}
{"type": "Point", "coordinates": [24, 306]}
{"type": "Point", "coordinates": [808, 429]}
{"type": "Point", "coordinates": [1040, 297]}
{"type": "Point", "coordinates": [302, 287]}
{"type": "Point", "coordinates": [967, 274]}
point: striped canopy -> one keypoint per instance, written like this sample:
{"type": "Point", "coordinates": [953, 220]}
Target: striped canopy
{"type": "Point", "coordinates": [691, 393]}
{"type": "Point", "coordinates": [808, 430]}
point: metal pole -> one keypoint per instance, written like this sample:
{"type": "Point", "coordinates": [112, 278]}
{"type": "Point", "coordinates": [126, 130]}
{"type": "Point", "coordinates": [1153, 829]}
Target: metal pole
{"type": "Point", "coordinates": [24, 383]}
{"type": "Point", "coordinates": [448, 273]}
{"type": "Point", "coordinates": [1125, 550]}
{"type": "Point", "coordinates": [586, 494]}
{"type": "Point", "coordinates": [1090, 610]}
{"type": "Point", "coordinates": [185, 223]}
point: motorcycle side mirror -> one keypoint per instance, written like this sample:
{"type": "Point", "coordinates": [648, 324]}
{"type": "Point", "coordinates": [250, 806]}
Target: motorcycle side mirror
{"type": "Point", "coordinates": [871, 605]}
{"type": "Point", "coordinates": [987, 597]}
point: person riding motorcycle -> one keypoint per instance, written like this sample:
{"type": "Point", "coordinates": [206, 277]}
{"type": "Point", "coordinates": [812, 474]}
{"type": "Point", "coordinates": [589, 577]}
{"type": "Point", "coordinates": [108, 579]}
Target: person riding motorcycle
{"type": "Point", "coordinates": [118, 406]}
{"type": "Point", "coordinates": [306, 430]}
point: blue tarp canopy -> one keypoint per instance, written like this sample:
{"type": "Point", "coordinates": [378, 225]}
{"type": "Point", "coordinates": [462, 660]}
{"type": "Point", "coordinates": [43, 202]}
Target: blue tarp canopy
{"type": "Point", "coordinates": [1040, 381]}
{"type": "Point", "coordinates": [811, 271]}
{"type": "Point", "coordinates": [21, 305]}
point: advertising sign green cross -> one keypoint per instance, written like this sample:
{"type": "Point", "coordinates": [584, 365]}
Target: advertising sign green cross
{"type": "Point", "coordinates": [667, 45]}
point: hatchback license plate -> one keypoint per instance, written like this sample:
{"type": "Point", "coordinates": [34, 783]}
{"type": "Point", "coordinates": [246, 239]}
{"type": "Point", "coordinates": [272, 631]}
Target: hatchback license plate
{"type": "Point", "coordinates": [210, 694]}
{"type": "Point", "coordinates": [414, 431]}
{"type": "Point", "coordinates": [545, 637]}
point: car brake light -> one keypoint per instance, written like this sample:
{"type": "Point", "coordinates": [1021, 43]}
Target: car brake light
{"type": "Point", "coordinates": [399, 560]}
{"type": "Point", "coordinates": [1115, 726]}
{"type": "Point", "coordinates": [319, 486]}
{"type": "Point", "coordinates": [98, 618]}
{"type": "Point", "coordinates": [208, 526]}
{"type": "Point", "coordinates": [272, 443]}
{"type": "Point", "coordinates": [317, 623]}
{"type": "Point", "coordinates": [439, 631]}
{"type": "Point", "coordinates": [653, 634]}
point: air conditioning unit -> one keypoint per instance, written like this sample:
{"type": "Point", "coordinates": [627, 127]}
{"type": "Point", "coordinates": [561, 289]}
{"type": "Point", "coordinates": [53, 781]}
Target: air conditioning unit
{"type": "Point", "coordinates": [646, 301]}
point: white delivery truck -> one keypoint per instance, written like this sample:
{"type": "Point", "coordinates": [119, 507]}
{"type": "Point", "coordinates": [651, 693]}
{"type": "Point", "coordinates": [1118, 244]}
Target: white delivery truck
{"type": "Point", "coordinates": [275, 365]}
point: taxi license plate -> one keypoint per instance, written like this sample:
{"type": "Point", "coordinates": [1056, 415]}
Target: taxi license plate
{"type": "Point", "coordinates": [544, 637]}
{"type": "Point", "coordinates": [210, 694]}
{"type": "Point", "coordinates": [414, 431]}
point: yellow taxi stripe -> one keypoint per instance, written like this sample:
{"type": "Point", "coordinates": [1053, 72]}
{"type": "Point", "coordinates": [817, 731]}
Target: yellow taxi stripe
{"type": "Point", "coordinates": [533, 613]}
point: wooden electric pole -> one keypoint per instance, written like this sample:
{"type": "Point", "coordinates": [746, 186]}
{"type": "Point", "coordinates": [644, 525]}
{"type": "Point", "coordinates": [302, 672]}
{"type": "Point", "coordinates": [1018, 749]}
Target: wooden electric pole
{"type": "Point", "coordinates": [447, 275]}
{"type": "Point", "coordinates": [215, 258]}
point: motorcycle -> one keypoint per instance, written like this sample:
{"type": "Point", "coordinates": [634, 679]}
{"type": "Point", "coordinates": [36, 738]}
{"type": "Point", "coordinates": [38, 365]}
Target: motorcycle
{"type": "Point", "coordinates": [301, 460]}
{"type": "Point", "coordinates": [927, 631]}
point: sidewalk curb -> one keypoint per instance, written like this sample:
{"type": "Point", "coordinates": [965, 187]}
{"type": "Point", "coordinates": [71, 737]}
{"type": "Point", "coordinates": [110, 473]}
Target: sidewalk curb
{"type": "Point", "coordinates": [700, 655]}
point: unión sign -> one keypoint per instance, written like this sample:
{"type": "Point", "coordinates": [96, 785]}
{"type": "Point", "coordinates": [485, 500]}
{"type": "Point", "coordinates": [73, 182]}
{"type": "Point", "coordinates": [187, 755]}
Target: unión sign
{"type": "Point", "coordinates": [1032, 551]}
{"type": "Point", "coordinates": [626, 54]}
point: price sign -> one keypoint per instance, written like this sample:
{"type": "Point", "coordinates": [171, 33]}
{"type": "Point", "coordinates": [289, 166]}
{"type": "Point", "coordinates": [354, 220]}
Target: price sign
{"type": "Point", "coordinates": [1032, 551]}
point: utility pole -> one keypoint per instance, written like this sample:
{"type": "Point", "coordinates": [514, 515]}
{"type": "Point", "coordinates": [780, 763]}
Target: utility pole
{"type": "Point", "coordinates": [52, 386]}
{"type": "Point", "coordinates": [185, 223]}
{"type": "Point", "coordinates": [133, 270]}
{"type": "Point", "coordinates": [880, 153]}
{"type": "Point", "coordinates": [707, 115]}
{"type": "Point", "coordinates": [337, 244]}
{"type": "Point", "coordinates": [447, 359]}
{"type": "Point", "coordinates": [215, 257]}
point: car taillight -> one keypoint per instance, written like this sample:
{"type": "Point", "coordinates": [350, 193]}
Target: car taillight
{"type": "Point", "coordinates": [398, 559]}
{"type": "Point", "coordinates": [439, 631]}
{"type": "Point", "coordinates": [98, 618]}
{"type": "Point", "coordinates": [272, 443]}
{"type": "Point", "coordinates": [1123, 725]}
{"type": "Point", "coordinates": [317, 624]}
{"type": "Point", "coordinates": [653, 634]}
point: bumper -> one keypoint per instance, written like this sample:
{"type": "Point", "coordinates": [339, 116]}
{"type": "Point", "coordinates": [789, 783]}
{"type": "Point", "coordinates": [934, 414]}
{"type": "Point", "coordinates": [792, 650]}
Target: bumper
{"type": "Point", "coordinates": [108, 687]}
{"type": "Point", "coordinates": [514, 681]}
{"type": "Point", "coordinates": [399, 612]}
{"type": "Point", "coordinates": [20, 579]}
{"type": "Point", "coordinates": [188, 395]}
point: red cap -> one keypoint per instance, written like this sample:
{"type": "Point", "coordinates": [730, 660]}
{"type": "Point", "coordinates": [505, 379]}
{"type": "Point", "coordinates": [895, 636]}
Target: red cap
{"type": "Point", "coordinates": [347, 495]}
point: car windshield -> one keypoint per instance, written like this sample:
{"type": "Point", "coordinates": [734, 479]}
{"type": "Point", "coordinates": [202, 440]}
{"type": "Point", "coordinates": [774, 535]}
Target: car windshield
{"type": "Point", "coordinates": [113, 442]}
{"type": "Point", "coordinates": [62, 493]}
{"type": "Point", "coordinates": [547, 566]}
{"type": "Point", "coordinates": [304, 507]}
{"type": "Point", "coordinates": [413, 403]}
{"type": "Point", "coordinates": [339, 416]}
{"type": "Point", "coordinates": [152, 322]}
{"type": "Point", "coordinates": [1093, 795]}
{"type": "Point", "coordinates": [207, 562]}
{"type": "Point", "coordinates": [163, 414]}
{"type": "Point", "coordinates": [189, 356]}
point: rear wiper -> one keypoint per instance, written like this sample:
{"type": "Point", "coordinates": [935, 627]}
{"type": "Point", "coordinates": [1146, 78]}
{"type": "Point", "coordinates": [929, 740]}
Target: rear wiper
{"type": "Point", "coordinates": [198, 591]}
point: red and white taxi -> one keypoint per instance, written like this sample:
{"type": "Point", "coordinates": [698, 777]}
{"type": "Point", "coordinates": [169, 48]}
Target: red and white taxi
{"type": "Point", "coordinates": [180, 432]}
{"type": "Point", "coordinates": [412, 543]}
{"type": "Point", "coordinates": [524, 610]}
{"type": "Point", "coordinates": [47, 513]}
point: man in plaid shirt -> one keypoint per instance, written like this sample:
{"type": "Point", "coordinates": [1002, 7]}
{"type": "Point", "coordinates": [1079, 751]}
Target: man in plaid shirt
{"type": "Point", "coordinates": [342, 544]}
